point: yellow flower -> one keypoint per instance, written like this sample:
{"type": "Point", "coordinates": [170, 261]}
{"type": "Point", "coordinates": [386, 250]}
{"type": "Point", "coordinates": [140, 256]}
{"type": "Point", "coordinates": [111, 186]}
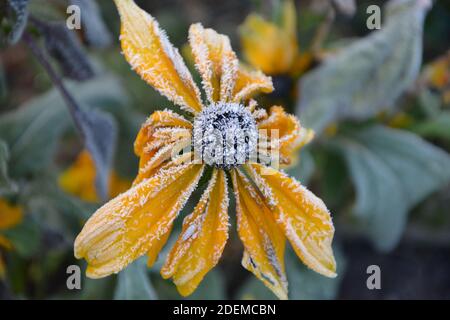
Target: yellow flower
{"type": "Point", "coordinates": [437, 76]}
{"type": "Point", "coordinates": [10, 216]}
{"type": "Point", "coordinates": [273, 48]}
{"type": "Point", "coordinates": [271, 206]}
{"type": "Point", "coordinates": [79, 179]}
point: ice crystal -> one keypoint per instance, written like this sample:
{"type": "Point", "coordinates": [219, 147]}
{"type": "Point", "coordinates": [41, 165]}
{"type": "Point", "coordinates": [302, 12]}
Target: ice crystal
{"type": "Point", "coordinates": [225, 135]}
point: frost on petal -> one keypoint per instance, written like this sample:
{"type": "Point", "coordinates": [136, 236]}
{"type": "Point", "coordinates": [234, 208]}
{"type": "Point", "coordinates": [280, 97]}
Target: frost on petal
{"type": "Point", "coordinates": [250, 82]}
{"type": "Point", "coordinates": [302, 216]}
{"type": "Point", "coordinates": [291, 134]}
{"type": "Point", "coordinates": [136, 221]}
{"type": "Point", "coordinates": [150, 53]}
{"type": "Point", "coordinates": [163, 135]}
{"type": "Point", "coordinates": [264, 242]}
{"type": "Point", "coordinates": [216, 62]}
{"type": "Point", "coordinates": [202, 239]}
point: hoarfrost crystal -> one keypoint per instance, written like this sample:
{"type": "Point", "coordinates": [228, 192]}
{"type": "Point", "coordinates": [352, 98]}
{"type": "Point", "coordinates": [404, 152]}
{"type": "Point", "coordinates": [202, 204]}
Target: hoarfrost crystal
{"type": "Point", "coordinates": [225, 135]}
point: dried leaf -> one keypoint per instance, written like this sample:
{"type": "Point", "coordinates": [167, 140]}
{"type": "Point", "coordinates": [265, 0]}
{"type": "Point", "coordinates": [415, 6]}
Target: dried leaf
{"type": "Point", "coordinates": [63, 45]}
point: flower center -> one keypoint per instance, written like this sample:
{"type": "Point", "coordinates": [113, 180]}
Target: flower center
{"type": "Point", "coordinates": [225, 135]}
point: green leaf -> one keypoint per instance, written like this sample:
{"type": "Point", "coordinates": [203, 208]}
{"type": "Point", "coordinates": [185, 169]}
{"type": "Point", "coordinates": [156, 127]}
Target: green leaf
{"type": "Point", "coordinates": [134, 283]}
{"type": "Point", "coordinates": [436, 127]}
{"type": "Point", "coordinates": [305, 284]}
{"type": "Point", "coordinates": [33, 130]}
{"type": "Point", "coordinates": [368, 75]}
{"type": "Point", "coordinates": [25, 237]}
{"type": "Point", "coordinates": [393, 170]}
{"type": "Point", "coordinates": [304, 169]}
{"type": "Point", "coordinates": [19, 7]}
{"type": "Point", "coordinates": [212, 287]}
{"type": "Point", "coordinates": [95, 31]}
{"type": "Point", "coordinates": [7, 186]}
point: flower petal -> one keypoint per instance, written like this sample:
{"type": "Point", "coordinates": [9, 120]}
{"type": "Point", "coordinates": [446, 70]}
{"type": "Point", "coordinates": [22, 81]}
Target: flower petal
{"type": "Point", "coordinates": [266, 46]}
{"type": "Point", "coordinates": [215, 60]}
{"type": "Point", "coordinates": [263, 241]}
{"type": "Point", "coordinates": [163, 134]}
{"type": "Point", "coordinates": [150, 53]}
{"type": "Point", "coordinates": [133, 223]}
{"type": "Point", "coordinates": [303, 217]}
{"type": "Point", "coordinates": [158, 119]}
{"type": "Point", "coordinates": [291, 135]}
{"type": "Point", "coordinates": [202, 239]}
{"type": "Point", "coordinates": [250, 82]}
{"type": "Point", "coordinates": [10, 215]}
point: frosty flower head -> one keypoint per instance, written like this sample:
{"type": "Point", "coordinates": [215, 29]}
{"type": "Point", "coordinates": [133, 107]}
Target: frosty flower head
{"type": "Point", "coordinates": [226, 131]}
{"type": "Point", "coordinates": [225, 135]}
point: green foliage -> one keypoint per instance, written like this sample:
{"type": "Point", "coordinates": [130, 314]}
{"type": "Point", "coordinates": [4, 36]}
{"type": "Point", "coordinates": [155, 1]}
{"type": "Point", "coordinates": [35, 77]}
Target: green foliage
{"type": "Point", "coordinates": [368, 75]}
{"type": "Point", "coordinates": [134, 283]}
{"type": "Point", "coordinates": [33, 130]}
{"type": "Point", "coordinates": [393, 171]}
{"type": "Point", "coordinates": [25, 237]}
{"type": "Point", "coordinates": [436, 127]}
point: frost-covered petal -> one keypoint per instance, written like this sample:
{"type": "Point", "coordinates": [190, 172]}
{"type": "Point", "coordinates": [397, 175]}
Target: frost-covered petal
{"type": "Point", "coordinates": [250, 82]}
{"type": "Point", "coordinates": [202, 239]}
{"type": "Point", "coordinates": [302, 216]}
{"type": "Point", "coordinates": [215, 60]}
{"type": "Point", "coordinates": [264, 242]}
{"type": "Point", "coordinates": [150, 53]}
{"type": "Point", "coordinates": [158, 119]}
{"type": "Point", "coordinates": [161, 136]}
{"type": "Point", "coordinates": [152, 160]}
{"type": "Point", "coordinates": [291, 135]}
{"type": "Point", "coordinates": [133, 223]}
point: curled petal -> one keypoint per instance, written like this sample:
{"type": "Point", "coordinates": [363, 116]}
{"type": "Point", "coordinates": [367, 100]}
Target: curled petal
{"type": "Point", "coordinates": [202, 239]}
{"type": "Point", "coordinates": [154, 159]}
{"type": "Point", "coordinates": [161, 136]}
{"type": "Point", "coordinates": [215, 60]}
{"type": "Point", "coordinates": [263, 241]}
{"type": "Point", "coordinates": [250, 82]}
{"type": "Point", "coordinates": [302, 216]}
{"type": "Point", "coordinates": [290, 134]}
{"type": "Point", "coordinates": [158, 119]}
{"type": "Point", "coordinates": [133, 223]}
{"type": "Point", "coordinates": [150, 53]}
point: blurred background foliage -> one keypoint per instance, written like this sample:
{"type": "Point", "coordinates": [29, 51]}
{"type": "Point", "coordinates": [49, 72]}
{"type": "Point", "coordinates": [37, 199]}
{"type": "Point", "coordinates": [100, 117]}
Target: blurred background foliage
{"type": "Point", "coordinates": [70, 108]}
